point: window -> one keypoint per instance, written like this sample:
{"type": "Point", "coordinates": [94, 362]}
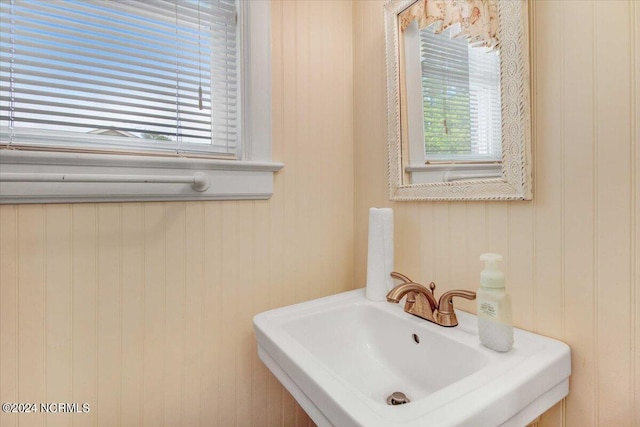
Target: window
{"type": "Point", "coordinates": [454, 89]}
{"type": "Point", "coordinates": [157, 91]}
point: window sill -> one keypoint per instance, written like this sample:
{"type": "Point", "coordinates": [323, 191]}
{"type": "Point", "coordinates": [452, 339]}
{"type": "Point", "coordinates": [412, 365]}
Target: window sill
{"type": "Point", "coordinates": [228, 179]}
{"type": "Point", "coordinates": [438, 173]}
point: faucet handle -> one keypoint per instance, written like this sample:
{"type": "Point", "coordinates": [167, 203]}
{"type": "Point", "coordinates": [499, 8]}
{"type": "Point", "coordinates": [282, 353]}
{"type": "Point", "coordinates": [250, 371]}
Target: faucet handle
{"type": "Point", "coordinates": [401, 277]}
{"type": "Point", "coordinates": [446, 315]}
{"type": "Point", "coordinates": [445, 305]}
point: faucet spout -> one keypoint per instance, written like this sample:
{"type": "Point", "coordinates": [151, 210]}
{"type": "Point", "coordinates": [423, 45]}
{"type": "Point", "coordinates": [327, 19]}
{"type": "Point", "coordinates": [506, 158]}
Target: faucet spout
{"type": "Point", "coordinates": [422, 302]}
{"type": "Point", "coordinates": [397, 293]}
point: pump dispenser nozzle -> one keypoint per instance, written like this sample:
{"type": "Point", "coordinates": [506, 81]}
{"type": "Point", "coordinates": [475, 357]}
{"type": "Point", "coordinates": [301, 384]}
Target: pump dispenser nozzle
{"type": "Point", "coordinates": [491, 276]}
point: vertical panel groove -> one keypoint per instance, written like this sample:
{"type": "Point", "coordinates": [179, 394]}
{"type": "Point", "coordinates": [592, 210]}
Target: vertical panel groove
{"type": "Point", "coordinates": [184, 310]}
{"type": "Point", "coordinates": [72, 299]}
{"type": "Point", "coordinates": [17, 310]}
{"type": "Point", "coordinates": [120, 307]}
{"type": "Point", "coordinates": [96, 323]}
{"type": "Point", "coordinates": [17, 303]}
{"type": "Point", "coordinates": [596, 341]}
{"type": "Point", "coordinates": [144, 310]}
{"type": "Point", "coordinates": [563, 275]}
{"type": "Point", "coordinates": [70, 326]}
{"type": "Point", "coordinates": [635, 140]}
{"type": "Point", "coordinates": [45, 283]}
{"type": "Point", "coordinates": [509, 269]}
{"type": "Point", "coordinates": [536, 155]}
{"type": "Point", "coordinates": [165, 320]}
{"type": "Point", "coordinates": [534, 129]}
{"type": "Point", "coordinates": [202, 310]}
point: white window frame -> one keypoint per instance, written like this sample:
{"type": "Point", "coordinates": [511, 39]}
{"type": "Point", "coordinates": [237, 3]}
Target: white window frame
{"type": "Point", "coordinates": [248, 177]}
{"type": "Point", "coordinates": [418, 168]}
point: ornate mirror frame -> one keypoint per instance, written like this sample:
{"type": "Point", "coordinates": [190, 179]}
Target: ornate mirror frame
{"type": "Point", "coordinates": [516, 181]}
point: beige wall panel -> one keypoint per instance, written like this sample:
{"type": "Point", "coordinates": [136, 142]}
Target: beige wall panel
{"type": "Point", "coordinates": [261, 282]}
{"type": "Point", "coordinates": [289, 132]}
{"type": "Point", "coordinates": [31, 308]}
{"type": "Point", "coordinates": [84, 281]}
{"type": "Point", "coordinates": [276, 206]}
{"type": "Point", "coordinates": [8, 310]}
{"type": "Point", "coordinates": [155, 308]}
{"type": "Point", "coordinates": [441, 255]}
{"type": "Point", "coordinates": [613, 210]}
{"type": "Point", "coordinates": [579, 206]}
{"type": "Point", "coordinates": [246, 287]}
{"type": "Point", "coordinates": [231, 259]}
{"type": "Point", "coordinates": [572, 246]}
{"type": "Point", "coordinates": [108, 314]}
{"type": "Point", "coordinates": [414, 263]}
{"type": "Point", "coordinates": [521, 237]}
{"type": "Point", "coordinates": [547, 256]}
{"type": "Point", "coordinates": [58, 312]}
{"type": "Point", "coordinates": [369, 127]}
{"type": "Point", "coordinates": [194, 328]}
{"type": "Point", "coordinates": [175, 297]}
{"type": "Point", "coordinates": [212, 315]}
{"type": "Point", "coordinates": [133, 313]}
{"type": "Point", "coordinates": [635, 254]}
{"type": "Point", "coordinates": [547, 150]}
{"type": "Point", "coordinates": [458, 247]}
{"type": "Point", "coordinates": [427, 244]}
{"type": "Point", "coordinates": [497, 227]}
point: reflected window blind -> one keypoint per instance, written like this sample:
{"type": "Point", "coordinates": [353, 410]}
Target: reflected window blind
{"type": "Point", "coordinates": [151, 75]}
{"type": "Point", "coordinates": [461, 99]}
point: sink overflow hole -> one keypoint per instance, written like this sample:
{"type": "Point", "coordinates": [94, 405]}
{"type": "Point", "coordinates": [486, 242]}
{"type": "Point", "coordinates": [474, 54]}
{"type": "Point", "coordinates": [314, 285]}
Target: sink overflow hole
{"type": "Point", "coordinates": [397, 398]}
{"type": "Point", "coordinates": [416, 338]}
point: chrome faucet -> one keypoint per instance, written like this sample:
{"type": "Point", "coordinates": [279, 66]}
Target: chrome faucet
{"type": "Point", "coordinates": [422, 302]}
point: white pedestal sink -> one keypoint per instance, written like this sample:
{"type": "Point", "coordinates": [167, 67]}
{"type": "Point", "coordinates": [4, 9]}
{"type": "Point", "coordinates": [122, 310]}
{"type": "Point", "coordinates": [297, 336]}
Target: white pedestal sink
{"type": "Point", "coordinates": [343, 355]}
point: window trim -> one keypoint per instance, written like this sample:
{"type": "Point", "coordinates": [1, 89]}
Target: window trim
{"type": "Point", "coordinates": [249, 177]}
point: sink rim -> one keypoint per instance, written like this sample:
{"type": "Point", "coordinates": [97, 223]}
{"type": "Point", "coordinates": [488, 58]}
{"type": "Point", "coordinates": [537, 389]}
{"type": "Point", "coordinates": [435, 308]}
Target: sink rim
{"type": "Point", "coordinates": [496, 382]}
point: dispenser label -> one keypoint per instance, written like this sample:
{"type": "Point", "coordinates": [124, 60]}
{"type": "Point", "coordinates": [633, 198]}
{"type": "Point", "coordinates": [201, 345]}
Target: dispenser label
{"type": "Point", "coordinates": [489, 309]}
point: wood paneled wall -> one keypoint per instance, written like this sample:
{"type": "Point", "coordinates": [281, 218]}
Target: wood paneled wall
{"type": "Point", "coordinates": [144, 310]}
{"type": "Point", "coordinates": [572, 254]}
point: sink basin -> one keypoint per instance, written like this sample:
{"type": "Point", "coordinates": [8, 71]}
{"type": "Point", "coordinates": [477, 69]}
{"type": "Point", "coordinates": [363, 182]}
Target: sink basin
{"type": "Point", "coordinates": [342, 356]}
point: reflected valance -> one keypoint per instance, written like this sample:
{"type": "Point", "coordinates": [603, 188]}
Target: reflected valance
{"type": "Point", "coordinates": [477, 19]}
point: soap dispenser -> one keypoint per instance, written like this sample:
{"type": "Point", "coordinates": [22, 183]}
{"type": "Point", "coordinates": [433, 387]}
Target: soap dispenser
{"type": "Point", "coordinates": [494, 307]}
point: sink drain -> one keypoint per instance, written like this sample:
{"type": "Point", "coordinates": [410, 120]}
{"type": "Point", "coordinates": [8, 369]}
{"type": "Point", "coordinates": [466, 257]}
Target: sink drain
{"type": "Point", "coordinates": [397, 398]}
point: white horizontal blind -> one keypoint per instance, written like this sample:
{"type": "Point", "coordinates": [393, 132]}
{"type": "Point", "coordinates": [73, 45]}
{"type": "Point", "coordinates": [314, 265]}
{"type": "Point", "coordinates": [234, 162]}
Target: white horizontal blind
{"type": "Point", "coordinates": [125, 74]}
{"type": "Point", "coordinates": [461, 99]}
